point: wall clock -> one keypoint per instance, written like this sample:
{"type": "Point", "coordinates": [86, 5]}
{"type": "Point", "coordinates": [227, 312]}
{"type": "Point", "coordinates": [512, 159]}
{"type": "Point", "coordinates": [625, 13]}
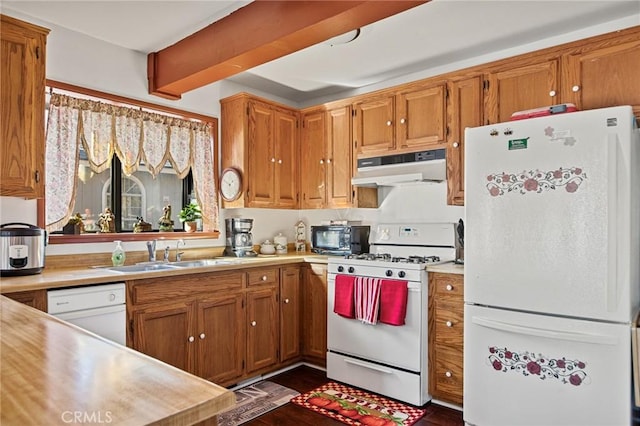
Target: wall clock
{"type": "Point", "coordinates": [230, 184]}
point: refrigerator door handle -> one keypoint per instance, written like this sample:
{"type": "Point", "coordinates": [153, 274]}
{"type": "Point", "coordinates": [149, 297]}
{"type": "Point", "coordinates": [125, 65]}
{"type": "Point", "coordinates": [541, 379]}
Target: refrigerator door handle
{"type": "Point", "coordinates": [612, 218]}
{"type": "Point", "coordinates": [546, 333]}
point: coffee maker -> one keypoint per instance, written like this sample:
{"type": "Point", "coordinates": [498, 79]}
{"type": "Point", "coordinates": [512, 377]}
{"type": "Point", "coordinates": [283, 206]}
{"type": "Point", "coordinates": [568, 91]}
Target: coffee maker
{"type": "Point", "coordinates": [239, 238]}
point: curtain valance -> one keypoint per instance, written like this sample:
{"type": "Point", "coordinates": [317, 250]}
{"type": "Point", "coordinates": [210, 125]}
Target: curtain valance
{"type": "Point", "coordinates": [136, 137]}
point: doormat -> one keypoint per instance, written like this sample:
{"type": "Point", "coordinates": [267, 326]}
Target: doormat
{"type": "Point", "coordinates": [255, 400]}
{"type": "Point", "coordinates": [356, 407]}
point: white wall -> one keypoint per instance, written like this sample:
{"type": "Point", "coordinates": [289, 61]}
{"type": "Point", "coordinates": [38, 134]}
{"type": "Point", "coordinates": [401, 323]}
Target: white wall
{"type": "Point", "coordinates": [81, 60]}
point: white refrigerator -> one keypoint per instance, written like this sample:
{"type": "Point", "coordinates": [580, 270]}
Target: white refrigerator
{"type": "Point", "coordinates": [552, 281]}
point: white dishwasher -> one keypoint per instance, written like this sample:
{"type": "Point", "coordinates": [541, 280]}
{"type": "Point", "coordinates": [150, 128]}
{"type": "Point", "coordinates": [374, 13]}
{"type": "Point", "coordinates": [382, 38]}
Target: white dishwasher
{"type": "Point", "coordinates": [97, 308]}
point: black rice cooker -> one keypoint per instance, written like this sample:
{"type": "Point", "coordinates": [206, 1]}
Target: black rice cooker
{"type": "Point", "coordinates": [21, 249]}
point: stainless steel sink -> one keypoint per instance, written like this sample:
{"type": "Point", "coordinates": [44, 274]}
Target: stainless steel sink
{"type": "Point", "coordinates": [201, 263]}
{"type": "Point", "coordinates": [141, 267]}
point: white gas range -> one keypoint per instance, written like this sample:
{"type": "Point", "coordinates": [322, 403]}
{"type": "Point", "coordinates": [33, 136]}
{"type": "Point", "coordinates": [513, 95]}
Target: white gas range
{"type": "Point", "coordinates": [390, 360]}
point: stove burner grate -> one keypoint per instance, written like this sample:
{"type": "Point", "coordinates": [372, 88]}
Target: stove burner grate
{"type": "Point", "coordinates": [386, 257]}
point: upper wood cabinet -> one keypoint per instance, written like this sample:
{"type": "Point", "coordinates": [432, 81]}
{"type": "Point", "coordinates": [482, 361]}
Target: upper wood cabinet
{"type": "Point", "coordinates": [603, 75]}
{"type": "Point", "coordinates": [465, 110]}
{"type": "Point", "coordinates": [328, 162]}
{"type": "Point", "coordinates": [516, 87]}
{"type": "Point", "coordinates": [411, 119]}
{"type": "Point", "coordinates": [260, 139]}
{"type": "Point", "coordinates": [22, 85]}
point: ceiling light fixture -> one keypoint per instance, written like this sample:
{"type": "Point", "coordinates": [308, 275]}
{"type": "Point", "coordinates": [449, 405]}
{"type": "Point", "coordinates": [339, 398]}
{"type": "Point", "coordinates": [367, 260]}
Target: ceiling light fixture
{"type": "Point", "coordinates": [344, 38]}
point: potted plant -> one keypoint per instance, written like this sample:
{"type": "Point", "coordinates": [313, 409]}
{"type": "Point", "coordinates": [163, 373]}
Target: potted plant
{"type": "Point", "coordinates": [189, 215]}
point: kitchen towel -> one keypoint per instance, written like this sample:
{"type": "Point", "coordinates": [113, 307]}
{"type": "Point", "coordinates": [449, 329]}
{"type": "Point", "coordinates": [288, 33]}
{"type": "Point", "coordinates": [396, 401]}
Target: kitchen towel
{"type": "Point", "coordinates": [343, 297]}
{"type": "Point", "coordinates": [393, 302]}
{"type": "Point", "coordinates": [367, 299]}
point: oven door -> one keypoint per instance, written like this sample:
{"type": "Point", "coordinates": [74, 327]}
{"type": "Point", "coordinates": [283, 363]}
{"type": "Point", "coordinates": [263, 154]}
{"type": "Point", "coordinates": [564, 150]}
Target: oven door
{"type": "Point", "coordinates": [396, 346]}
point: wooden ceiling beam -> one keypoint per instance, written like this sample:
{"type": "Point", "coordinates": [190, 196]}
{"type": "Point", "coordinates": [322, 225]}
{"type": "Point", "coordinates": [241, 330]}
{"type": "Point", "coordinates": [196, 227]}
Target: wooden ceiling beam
{"type": "Point", "coordinates": [260, 32]}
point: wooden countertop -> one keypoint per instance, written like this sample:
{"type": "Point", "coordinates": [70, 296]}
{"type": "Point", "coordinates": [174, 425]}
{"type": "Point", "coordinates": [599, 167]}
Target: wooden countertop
{"type": "Point", "coordinates": [69, 277]}
{"type": "Point", "coordinates": [55, 373]}
{"type": "Point", "coordinates": [447, 268]}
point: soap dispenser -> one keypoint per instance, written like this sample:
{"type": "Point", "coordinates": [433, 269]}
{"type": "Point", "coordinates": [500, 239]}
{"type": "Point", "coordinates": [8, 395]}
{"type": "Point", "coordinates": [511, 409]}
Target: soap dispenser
{"type": "Point", "coordinates": [118, 256]}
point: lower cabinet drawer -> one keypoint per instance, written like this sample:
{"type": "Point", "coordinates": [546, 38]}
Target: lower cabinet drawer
{"type": "Point", "coordinates": [447, 375]}
{"type": "Point", "coordinates": [386, 381]}
{"type": "Point", "coordinates": [263, 276]}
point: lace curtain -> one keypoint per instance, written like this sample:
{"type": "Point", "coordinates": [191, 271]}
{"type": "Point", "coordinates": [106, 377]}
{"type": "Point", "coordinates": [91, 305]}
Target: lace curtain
{"type": "Point", "coordinates": [134, 136]}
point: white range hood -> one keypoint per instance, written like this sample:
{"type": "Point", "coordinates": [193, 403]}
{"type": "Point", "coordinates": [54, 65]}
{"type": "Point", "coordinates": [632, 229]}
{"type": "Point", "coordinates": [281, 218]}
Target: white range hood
{"type": "Point", "coordinates": [400, 168]}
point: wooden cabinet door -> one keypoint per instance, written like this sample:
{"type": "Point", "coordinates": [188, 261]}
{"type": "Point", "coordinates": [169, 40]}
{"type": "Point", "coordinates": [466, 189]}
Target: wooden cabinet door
{"type": "Point", "coordinates": [165, 332]}
{"type": "Point", "coordinates": [314, 313]}
{"type": "Point", "coordinates": [374, 126]}
{"type": "Point", "coordinates": [465, 110]}
{"type": "Point", "coordinates": [339, 158]}
{"type": "Point", "coordinates": [604, 77]}
{"type": "Point", "coordinates": [520, 88]}
{"type": "Point", "coordinates": [220, 335]}
{"type": "Point", "coordinates": [22, 83]}
{"type": "Point", "coordinates": [34, 298]}
{"type": "Point", "coordinates": [421, 119]}
{"type": "Point", "coordinates": [262, 329]}
{"type": "Point", "coordinates": [289, 313]}
{"type": "Point", "coordinates": [261, 155]}
{"type": "Point", "coordinates": [286, 164]}
{"type": "Point", "coordinates": [313, 161]}
{"type": "Point", "coordinates": [446, 336]}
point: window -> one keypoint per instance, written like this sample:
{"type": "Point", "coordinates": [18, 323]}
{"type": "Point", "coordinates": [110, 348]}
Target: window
{"type": "Point", "coordinates": [110, 169]}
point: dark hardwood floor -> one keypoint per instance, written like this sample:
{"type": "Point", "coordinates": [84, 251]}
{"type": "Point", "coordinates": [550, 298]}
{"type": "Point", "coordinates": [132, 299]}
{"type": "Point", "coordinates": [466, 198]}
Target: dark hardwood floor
{"type": "Point", "coordinates": [304, 379]}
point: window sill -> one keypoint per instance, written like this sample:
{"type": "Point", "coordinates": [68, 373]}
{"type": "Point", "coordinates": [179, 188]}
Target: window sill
{"type": "Point", "coordinates": [129, 236]}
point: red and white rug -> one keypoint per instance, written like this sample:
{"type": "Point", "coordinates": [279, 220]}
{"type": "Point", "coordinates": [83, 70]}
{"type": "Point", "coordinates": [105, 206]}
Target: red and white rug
{"type": "Point", "coordinates": [357, 407]}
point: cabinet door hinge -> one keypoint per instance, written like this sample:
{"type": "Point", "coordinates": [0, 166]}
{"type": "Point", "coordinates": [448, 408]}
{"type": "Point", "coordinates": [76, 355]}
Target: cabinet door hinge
{"type": "Point", "coordinates": [37, 52]}
{"type": "Point", "coordinates": [242, 304]}
{"type": "Point", "coordinates": [446, 93]}
{"type": "Point", "coordinates": [131, 327]}
{"type": "Point", "coordinates": [485, 84]}
{"type": "Point", "coordinates": [354, 112]}
{"type": "Point", "coordinates": [297, 197]}
{"type": "Point", "coordinates": [353, 194]}
{"type": "Point", "coordinates": [37, 176]}
{"type": "Point", "coordinates": [355, 144]}
{"type": "Point", "coordinates": [247, 110]}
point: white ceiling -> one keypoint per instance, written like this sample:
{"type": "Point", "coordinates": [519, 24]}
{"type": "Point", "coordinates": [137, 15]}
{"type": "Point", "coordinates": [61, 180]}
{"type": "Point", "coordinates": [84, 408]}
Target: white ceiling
{"type": "Point", "coordinates": [427, 36]}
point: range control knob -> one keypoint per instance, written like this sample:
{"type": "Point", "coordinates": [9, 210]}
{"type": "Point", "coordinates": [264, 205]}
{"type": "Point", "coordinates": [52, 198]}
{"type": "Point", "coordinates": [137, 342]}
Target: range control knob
{"type": "Point", "coordinates": [388, 272]}
{"type": "Point", "coordinates": [402, 274]}
{"type": "Point", "coordinates": [351, 269]}
{"type": "Point", "coordinates": [340, 268]}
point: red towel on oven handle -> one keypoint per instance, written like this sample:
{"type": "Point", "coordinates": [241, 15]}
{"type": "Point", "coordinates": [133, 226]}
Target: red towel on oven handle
{"type": "Point", "coordinates": [343, 297]}
{"type": "Point", "coordinates": [393, 302]}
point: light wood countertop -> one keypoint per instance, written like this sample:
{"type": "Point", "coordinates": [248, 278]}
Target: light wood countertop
{"type": "Point", "coordinates": [447, 268]}
{"type": "Point", "coordinates": [55, 373]}
{"type": "Point", "coordinates": [70, 277]}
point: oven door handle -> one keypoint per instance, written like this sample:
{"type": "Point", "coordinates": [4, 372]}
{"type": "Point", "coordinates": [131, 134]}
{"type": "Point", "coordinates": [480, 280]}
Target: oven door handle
{"type": "Point", "coordinates": [369, 366]}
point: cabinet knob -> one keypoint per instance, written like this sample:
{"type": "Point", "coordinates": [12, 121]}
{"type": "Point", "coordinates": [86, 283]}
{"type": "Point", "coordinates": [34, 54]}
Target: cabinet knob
{"type": "Point", "coordinates": [575, 88]}
{"type": "Point", "coordinates": [286, 301]}
{"type": "Point", "coordinates": [552, 93]}
{"type": "Point", "coordinates": [279, 161]}
{"type": "Point", "coordinates": [273, 160]}
{"type": "Point", "coordinates": [388, 122]}
{"type": "Point", "coordinates": [448, 374]}
{"type": "Point", "coordinates": [328, 160]}
{"type": "Point", "coordinates": [264, 278]}
{"type": "Point", "coordinates": [253, 323]}
{"type": "Point", "coordinates": [321, 161]}
{"type": "Point", "coordinates": [191, 339]}
{"type": "Point", "coordinates": [449, 324]}
{"type": "Point", "coordinates": [403, 120]}
{"type": "Point", "coordinates": [449, 287]}
{"type": "Point", "coordinates": [456, 144]}
{"type": "Point", "coordinates": [201, 336]}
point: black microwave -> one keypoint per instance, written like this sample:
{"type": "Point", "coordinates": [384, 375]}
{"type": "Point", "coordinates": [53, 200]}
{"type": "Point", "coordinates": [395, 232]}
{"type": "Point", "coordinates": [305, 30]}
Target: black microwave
{"type": "Point", "coordinates": [340, 239]}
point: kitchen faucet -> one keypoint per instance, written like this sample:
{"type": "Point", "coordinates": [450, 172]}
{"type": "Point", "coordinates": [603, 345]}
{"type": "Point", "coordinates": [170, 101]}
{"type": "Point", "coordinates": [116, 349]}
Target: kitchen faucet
{"type": "Point", "coordinates": [151, 247]}
{"type": "Point", "coordinates": [179, 253]}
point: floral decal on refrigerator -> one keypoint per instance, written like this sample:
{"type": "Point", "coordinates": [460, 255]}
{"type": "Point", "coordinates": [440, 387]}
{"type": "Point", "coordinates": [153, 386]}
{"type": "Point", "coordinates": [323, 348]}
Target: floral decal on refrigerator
{"type": "Point", "coordinates": [535, 181]}
{"type": "Point", "coordinates": [567, 371]}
